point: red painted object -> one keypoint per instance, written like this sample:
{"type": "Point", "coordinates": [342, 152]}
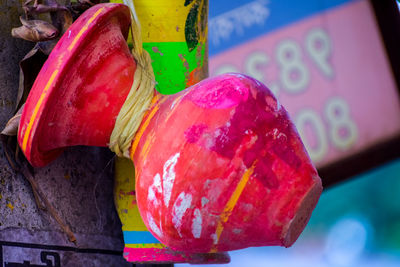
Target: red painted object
{"type": "Point", "coordinates": [81, 88]}
{"type": "Point", "coordinates": [219, 166]}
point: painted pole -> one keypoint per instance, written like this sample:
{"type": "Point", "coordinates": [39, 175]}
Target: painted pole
{"type": "Point", "coordinates": [174, 33]}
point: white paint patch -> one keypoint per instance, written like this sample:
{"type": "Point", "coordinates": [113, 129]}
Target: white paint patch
{"type": "Point", "coordinates": [217, 132]}
{"type": "Point", "coordinates": [215, 238]}
{"type": "Point", "coordinates": [157, 182]}
{"type": "Point", "coordinates": [204, 201]}
{"type": "Point", "coordinates": [69, 34]}
{"type": "Point", "coordinates": [181, 204]}
{"type": "Point", "coordinates": [196, 223]}
{"type": "Point", "coordinates": [275, 132]}
{"type": "Point", "coordinates": [169, 177]}
{"type": "Point", "coordinates": [155, 187]}
{"type": "Point", "coordinates": [282, 136]}
{"type": "Point", "coordinates": [153, 226]}
{"type": "Point", "coordinates": [151, 196]}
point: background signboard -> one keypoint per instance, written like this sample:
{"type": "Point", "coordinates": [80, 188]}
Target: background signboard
{"type": "Point", "coordinates": [326, 63]}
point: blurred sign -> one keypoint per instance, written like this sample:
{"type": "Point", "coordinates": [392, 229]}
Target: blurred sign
{"type": "Point", "coordinates": [325, 62]}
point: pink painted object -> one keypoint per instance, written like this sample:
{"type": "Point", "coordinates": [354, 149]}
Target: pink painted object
{"type": "Point", "coordinates": [167, 255]}
{"type": "Point", "coordinates": [221, 167]}
{"type": "Point", "coordinates": [77, 86]}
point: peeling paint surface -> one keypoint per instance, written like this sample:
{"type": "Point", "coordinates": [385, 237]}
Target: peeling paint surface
{"type": "Point", "coordinates": [181, 204]}
{"type": "Point", "coordinates": [155, 188]}
{"type": "Point", "coordinates": [197, 223]}
{"type": "Point", "coordinates": [169, 177]}
{"type": "Point", "coordinates": [230, 172]}
{"type": "Point", "coordinates": [153, 225]}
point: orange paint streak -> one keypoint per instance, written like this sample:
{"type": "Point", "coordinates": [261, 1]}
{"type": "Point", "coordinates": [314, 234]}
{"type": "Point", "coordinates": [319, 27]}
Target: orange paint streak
{"type": "Point", "coordinates": [84, 28]}
{"type": "Point", "coordinates": [142, 128]}
{"type": "Point", "coordinates": [232, 203]}
{"type": "Point", "coordinates": [36, 110]}
{"type": "Point", "coordinates": [146, 147]}
{"type": "Point", "coordinates": [156, 102]}
{"type": "Point", "coordinates": [156, 97]}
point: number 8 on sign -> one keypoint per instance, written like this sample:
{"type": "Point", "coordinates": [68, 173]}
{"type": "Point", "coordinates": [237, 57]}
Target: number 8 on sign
{"type": "Point", "coordinates": [343, 131]}
{"type": "Point", "coordinates": [294, 75]}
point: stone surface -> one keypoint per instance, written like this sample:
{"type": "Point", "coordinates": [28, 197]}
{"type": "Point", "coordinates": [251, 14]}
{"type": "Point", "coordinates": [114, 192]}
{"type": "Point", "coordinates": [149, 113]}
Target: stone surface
{"type": "Point", "coordinates": [79, 184]}
{"type": "Point", "coordinates": [11, 52]}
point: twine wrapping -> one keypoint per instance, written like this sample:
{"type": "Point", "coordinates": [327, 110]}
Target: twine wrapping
{"type": "Point", "coordinates": [139, 98]}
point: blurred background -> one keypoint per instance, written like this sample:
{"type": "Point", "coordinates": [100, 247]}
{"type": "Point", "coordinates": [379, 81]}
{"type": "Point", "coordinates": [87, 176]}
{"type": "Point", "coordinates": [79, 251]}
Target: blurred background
{"type": "Point", "coordinates": [330, 64]}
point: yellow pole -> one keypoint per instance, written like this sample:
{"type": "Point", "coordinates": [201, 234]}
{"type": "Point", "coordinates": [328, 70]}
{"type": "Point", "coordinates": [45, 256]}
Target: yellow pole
{"type": "Point", "coordinates": [174, 32]}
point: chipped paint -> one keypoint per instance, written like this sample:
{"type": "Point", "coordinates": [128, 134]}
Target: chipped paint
{"type": "Point", "coordinates": [155, 187]}
{"type": "Point", "coordinates": [184, 61]}
{"type": "Point", "coordinates": [151, 197]}
{"type": "Point", "coordinates": [157, 183]}
{"type": "Point", "coordinates": [214, 238]}
{"type": "Point", "coordinates": [204, 201]}
{"type": "Point", "coordinates": [197, 223]}
{"type": "Point", "coordinates": [182, 203]}
{"type": "Point", "coordinates": [156, 50]}
{"type": "Point", "coordinates": [153, 226]}
{"type": "Point", "coordinates": [169, 177]}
